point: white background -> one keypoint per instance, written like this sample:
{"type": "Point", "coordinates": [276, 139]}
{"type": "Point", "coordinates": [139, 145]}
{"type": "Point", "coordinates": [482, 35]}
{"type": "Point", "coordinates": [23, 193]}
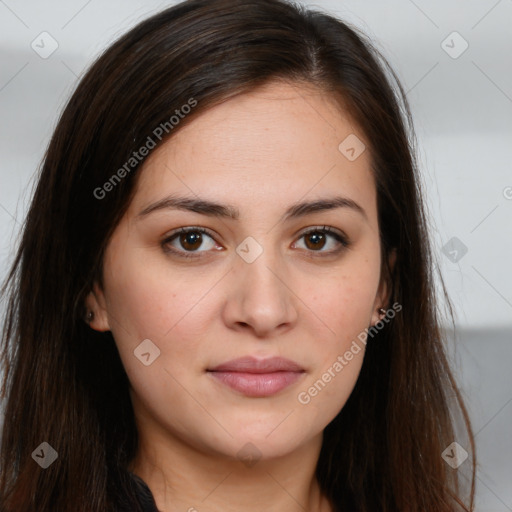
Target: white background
{"type": "Point", "coordinates": [462, 110]}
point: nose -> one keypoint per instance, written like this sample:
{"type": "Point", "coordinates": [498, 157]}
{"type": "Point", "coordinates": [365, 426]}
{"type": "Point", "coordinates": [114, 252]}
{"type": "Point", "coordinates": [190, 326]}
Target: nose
{"type": "Point", "coordinates": [260, 297]}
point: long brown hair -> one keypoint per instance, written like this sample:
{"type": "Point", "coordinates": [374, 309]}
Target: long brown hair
{"type": "Point", "coordinates": [65, 384]}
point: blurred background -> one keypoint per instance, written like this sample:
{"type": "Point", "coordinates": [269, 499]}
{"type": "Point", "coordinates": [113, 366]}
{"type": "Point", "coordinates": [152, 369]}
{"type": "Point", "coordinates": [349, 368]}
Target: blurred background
{"type": "Point", "coordinates": [453, 59]}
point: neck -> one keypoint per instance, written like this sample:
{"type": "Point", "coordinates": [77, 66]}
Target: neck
{"type": "Point", "coordinates": [181, 477]}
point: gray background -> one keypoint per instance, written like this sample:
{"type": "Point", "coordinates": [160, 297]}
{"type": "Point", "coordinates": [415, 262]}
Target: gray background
{"type": "Point", "coordinates": [462, 108]}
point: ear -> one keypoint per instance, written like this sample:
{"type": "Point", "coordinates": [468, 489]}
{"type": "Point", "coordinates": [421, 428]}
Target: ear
{"type": "Point", "coordinates": [384, 292]}
{"type": "Point", "coordinates": [95, 303]}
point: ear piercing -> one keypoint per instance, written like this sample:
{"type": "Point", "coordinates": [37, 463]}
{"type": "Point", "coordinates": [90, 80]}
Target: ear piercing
{"type": "Point", "coordinates": [382, 313]}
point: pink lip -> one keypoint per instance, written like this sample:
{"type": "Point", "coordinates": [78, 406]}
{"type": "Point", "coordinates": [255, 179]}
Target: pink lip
{"type": "Point", "coordinates": [257, 377]}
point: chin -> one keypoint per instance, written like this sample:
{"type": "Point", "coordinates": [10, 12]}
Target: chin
{"type": "Point", "coordinates": [265, 443]}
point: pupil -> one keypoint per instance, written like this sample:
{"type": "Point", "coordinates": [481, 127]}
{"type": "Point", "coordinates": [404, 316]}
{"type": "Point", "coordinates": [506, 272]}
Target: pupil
{"type": "Point", "coordinates": [193, 239]}
{"type": "Point", "coordinates": [316, 237]}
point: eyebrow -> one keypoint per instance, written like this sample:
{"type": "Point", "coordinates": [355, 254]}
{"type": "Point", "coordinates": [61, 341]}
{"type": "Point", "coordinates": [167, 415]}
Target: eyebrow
{"type": "Point", "coordinates": [212, 209]}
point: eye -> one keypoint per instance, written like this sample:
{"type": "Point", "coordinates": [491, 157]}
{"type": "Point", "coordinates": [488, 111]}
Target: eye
{"type": "Point", "coordinates": [190, 239]}
{"type": "Point", "coordinates": [316, 239]}
{"type": "Point", "coordinates": [186, 242]}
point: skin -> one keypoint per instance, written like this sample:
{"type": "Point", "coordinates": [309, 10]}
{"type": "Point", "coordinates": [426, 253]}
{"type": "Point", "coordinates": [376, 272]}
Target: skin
{"type": "Point", "coordinates": [260, 152]}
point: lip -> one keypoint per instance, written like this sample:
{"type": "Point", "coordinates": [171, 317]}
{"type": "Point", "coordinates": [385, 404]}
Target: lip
{"type": "Point", "coordinates": [257, 377]}
{"type": "Point", "coordinates": [251, 364]}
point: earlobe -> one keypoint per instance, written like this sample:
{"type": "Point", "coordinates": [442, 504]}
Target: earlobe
{"type": "Point", "coordinates": [96, 313]}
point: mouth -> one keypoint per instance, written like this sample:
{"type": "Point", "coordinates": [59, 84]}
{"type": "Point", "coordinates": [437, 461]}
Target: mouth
{"type": "Point", "coordinates": [257, 378]}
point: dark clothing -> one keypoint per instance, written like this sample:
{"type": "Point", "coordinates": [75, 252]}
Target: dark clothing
{"type": "Point", "coordinates": [143, 495]}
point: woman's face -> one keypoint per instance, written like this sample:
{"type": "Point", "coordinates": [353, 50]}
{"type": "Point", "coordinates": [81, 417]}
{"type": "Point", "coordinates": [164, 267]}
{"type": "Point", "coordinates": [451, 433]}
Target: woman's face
{"type": "Point", "coordinates": [253, 285]}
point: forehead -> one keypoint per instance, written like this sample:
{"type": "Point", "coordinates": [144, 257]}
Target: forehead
{"type": "Point", "coordinates": [270, 147]}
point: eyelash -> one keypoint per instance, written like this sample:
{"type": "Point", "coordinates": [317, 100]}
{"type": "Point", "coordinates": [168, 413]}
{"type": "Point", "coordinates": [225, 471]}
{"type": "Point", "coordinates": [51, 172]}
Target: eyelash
{"type": "Point", "coordinates": [345, 243]}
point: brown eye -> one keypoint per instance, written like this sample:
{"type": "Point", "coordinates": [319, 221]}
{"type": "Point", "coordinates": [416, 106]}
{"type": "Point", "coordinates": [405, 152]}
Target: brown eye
{"type": "Point", "coordinates": [315, 240]}
{"type": "Point", "coordinates": [191, 240]}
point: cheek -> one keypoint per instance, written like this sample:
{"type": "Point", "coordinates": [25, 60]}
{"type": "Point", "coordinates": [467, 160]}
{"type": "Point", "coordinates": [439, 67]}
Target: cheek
{"type": "Point", "coordinates": [151, 300]}
{"type": "Point", "coordinates": [345, 307]}
{"type": "Point", "coordinates": [345, 303]}
{"type": "Point", "coordinates": [171, 309]}
{"type": "Point", "coordinates": [166, 312]}
{"type": "Point", "coordinates": [339, 355]}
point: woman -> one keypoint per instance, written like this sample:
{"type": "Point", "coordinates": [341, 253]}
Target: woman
{"type": "Point", "coordinates": [223, 295]}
